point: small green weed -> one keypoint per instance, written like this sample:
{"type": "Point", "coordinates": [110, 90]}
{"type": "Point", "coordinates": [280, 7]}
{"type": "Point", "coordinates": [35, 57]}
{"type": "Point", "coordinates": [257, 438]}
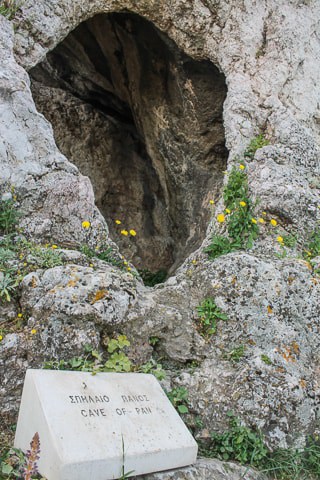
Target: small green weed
{"type": "Point", "coordinates": [289, 240]}
{"type": "Point", "coordinates": [209, 313]}
{"type": "Point", "coordinates": [117, 361]}
{"type": "Point", "coordinates": [105, 253]}
{"type": "Point", "coordinates": [257, 142]}
{"type": "Point", "coordinates": [8, 216]}
{"type": "Point", "coordinates": [150, 279]}
{"type": "Point", "coordinates": [238, 443]}
{"type": "Point", "coordinates": [236, 354]}
{"type": "Point", "coordinates": [179, 398]}
{"type": "Point", "coordinates": [267, 360]}
{"type": "Point", "coordinates": [219, 246]}
{"type": "Point", "coordinates": [8, 285]}
{"type": "Point", "coordinates": [313, 247]}
{"type": "Point", "coordinates": [9, 8]}
{"type": "Point", "coordinates": [246, 446]}
{"type": "Point", "coordinates": [154, 368]}
{"type": "Point", "coordinates": [153, 341]}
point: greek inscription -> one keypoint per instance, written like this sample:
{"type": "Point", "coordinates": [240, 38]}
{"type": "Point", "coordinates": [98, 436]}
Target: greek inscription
{"type": "Point", "coordinates": [134, 398]}
{"type": "Point", "coordinates": [89, 399]}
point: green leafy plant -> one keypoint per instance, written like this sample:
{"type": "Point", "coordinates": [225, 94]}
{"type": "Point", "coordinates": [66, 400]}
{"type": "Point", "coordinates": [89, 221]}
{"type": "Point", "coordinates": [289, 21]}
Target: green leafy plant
{"type": "Point", "coordinates": [9, 8]}
{"type": "Point", "coordinates": [117, 361]}
{"type": "Point", "coordinates": [236, 354]}
{"type": "Point", "coordinates": [7, 286]}
{"type": "Point", "coordinates": [44, 257]}
{"type": "Point", "coordinates": [209, 313]}
{"type": "Point", "coordinates": [312, 248]}
{"type": "Point", "coordinates": [267, 360]}
{"type": "Point", "coordinates": [154, 368]}
{"type": "Point", "coordinates": [247, 446]}
{"type": "Point", "coordinates": [241, 226]}
{"type": "Point", "coordinates": [238, 443]}
{"type": "Point", "coordinates": [289, 240]}
{"type": "Point", "coordinates": [179, 398]}
{"type": "Point", "coordinates": [219, 246]}
{"type": "Point", "coordinates": [8, 216]}
{"type": "Point", "coordinates": [104, 253]}
{"type": "Point", "coordinates": [150, 279]}
{"type": "Point", "coordinates": [257, 142]}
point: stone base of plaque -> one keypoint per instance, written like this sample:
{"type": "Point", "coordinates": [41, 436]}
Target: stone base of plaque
{"type": "Point", "coordinates": [91, 426]}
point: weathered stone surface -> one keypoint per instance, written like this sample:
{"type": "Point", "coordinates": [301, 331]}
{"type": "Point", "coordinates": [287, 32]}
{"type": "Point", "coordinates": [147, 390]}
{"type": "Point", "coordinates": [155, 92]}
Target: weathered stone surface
{"type": "Point", "coordinates": [145, 125]}
{"type": "Point", "coordinates": [269, 54]}
{"type": "Point", "coordinates": [55, 198]}
{"type": "Point", "coordinates": [205, 469]}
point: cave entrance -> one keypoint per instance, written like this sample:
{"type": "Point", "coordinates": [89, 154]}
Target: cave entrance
{"type": "Point", "coordinates": [143, 121]}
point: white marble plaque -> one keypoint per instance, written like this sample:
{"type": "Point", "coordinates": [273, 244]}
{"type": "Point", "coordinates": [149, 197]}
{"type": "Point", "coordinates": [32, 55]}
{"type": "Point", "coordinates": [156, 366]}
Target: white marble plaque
{"type": "Point", "coordinates": [90, 426]}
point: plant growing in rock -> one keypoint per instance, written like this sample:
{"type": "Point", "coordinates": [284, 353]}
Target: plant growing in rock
{"type": "Point", "coordinates": [238, 443]}
{"type": "Point", "coordinates": [8, 285]}
{"type": "Point", "coordinates": [209, 313]}
{"type": "Point", "coordinates": [242, 227]}
{"type": "Point", "coordinates": [236, 354]}
{"type": "Point", "coordinates": [9, 8]}
{"type": "Point", "coordinates": [117, 361]}
{"type": "Point", "coordinates": [150, 279]}
{"type": "Point", "coordinates": [312, 249]}
{"type": "Point", "coordinates": [179, 398]}
{"type": "Point", "coordinates": [8, 216]}
{"type": "Point", "coordinates": [15, 464]}
{"type": "Point", "coordinates": [257, 142]}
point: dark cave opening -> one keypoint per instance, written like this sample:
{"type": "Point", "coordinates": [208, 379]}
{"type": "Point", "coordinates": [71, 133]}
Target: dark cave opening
{"type": "Point", "coordinates": [143, 121]}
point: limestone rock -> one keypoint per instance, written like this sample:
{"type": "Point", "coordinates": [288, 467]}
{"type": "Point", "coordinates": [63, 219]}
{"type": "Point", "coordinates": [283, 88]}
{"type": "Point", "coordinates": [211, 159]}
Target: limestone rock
{"type": "Point", "coordinates": [205, 469]}
{"type": "Point", "coordinates": [268, 53]}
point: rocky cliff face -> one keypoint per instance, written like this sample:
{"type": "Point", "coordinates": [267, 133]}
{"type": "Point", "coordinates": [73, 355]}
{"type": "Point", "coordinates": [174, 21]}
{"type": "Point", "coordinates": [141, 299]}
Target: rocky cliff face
{"type": "Point", "coordinates": [135, 90]}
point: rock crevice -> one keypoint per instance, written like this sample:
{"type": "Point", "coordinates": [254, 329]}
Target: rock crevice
{"type": "Point", "coordinates": [144, 122]}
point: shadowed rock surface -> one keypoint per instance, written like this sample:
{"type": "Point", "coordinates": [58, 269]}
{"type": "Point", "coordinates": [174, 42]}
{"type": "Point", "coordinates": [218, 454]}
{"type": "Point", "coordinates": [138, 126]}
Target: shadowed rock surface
{"type": "Point", "coordinates": [144, 122]}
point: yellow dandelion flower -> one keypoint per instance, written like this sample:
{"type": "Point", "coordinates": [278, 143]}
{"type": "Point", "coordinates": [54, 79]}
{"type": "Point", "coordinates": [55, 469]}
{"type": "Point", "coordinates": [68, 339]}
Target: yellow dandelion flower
{"type": "Point", "coordinates": [19, 315]}
{"type": "Point", "coordinates": [132, 232]}
{"type": "Point", "coordinates": [124, 232]}
{"type": "Point", "coordinates": [33, 331]}
{"type": "Point", "coordinates": [125, 263]}
{"type": "Point", "coordinates": [280, 239]}
{"type": "Point", "coordinates": [118, 222]}
{"type": "Point", "coordinates": [86, 224]}
{"type": "Point", "coordinates": [242, 204]}
{"type": "Point", "coordinates": [253, 220]}
{"type": "Point", "coordinates": [1, 338]}
{"type": "Point", "coordinates": [264, 213]}
{"type": "Point", "coordinates": [227, 210]}
{"type": "Point", "coordinates": [221, 218]}
{"type": "Point", "coordinates": [54, 246]}
{"type": "Point", "coordinates": [241, 166]}
{"type": "Point", "coordinates": [211, 202]}
{"type": "Point", "coordinates": [273, 222]}
{"type": "Point", "coordinates": [129, 269]}
{"type": "Point", "coordinates": [261, 220]}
